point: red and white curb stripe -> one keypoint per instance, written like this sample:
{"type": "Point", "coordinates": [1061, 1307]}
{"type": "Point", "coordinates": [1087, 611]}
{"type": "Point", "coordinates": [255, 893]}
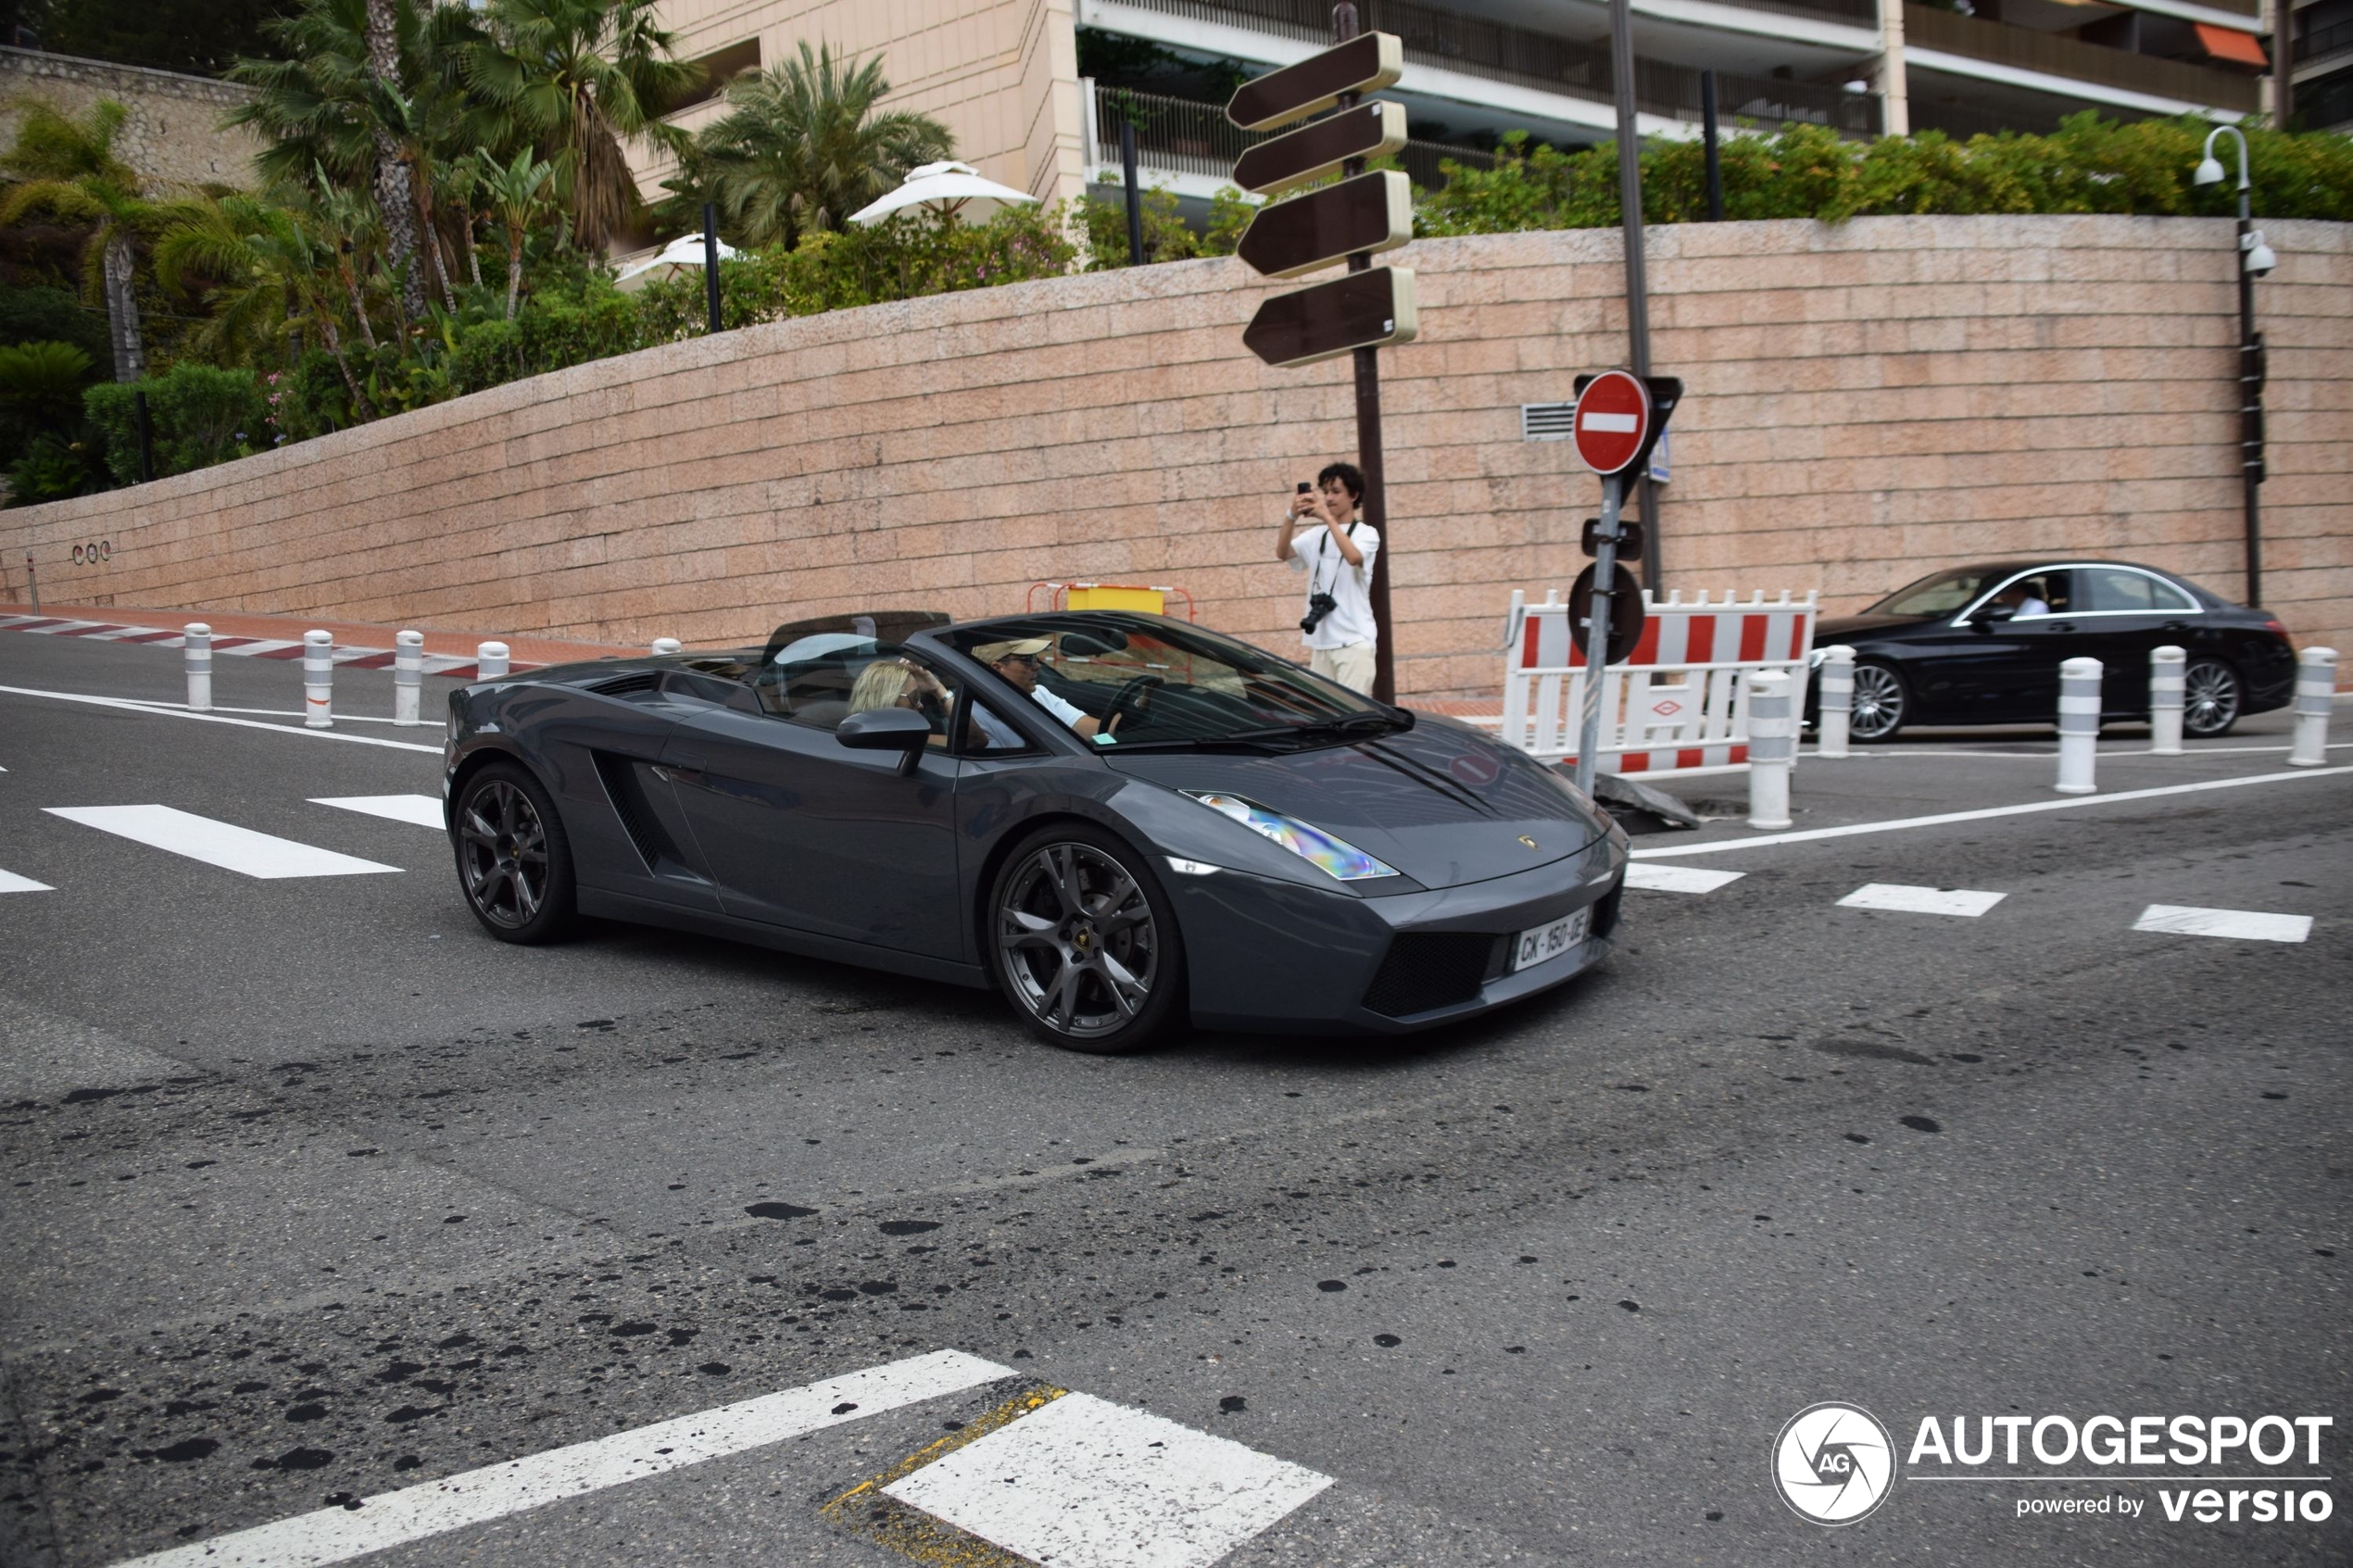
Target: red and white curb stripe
{"type": "Point", "coordinates": [455, 666]}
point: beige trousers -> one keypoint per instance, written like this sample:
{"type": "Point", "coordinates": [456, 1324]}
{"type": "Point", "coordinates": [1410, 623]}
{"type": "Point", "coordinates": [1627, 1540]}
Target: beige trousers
{"type": "Point", "coordinates": [1351, 666]}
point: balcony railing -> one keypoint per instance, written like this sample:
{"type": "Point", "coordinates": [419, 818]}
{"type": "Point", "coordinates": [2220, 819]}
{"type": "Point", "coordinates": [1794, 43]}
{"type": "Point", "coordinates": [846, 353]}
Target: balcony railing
{"type": "Point", "coordinates": [2056, 55]}
{"type": "Point", "coordinates": [1183, 137]}
{"type": "Point", "coordinates": [2324, 42]}
{"type": "Point", "coordinates": [1499, 52]}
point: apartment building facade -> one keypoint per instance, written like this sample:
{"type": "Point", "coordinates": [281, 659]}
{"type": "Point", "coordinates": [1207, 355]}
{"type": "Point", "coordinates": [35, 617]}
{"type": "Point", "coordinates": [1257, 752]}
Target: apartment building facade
{"type": "Point", "coordinates": [1035, 90]}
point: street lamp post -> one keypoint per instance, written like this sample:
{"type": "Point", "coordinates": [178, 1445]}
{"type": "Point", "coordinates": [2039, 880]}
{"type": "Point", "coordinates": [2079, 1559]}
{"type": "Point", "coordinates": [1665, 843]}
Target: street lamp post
{"type": "Point", "coordinates": [2255, 260]}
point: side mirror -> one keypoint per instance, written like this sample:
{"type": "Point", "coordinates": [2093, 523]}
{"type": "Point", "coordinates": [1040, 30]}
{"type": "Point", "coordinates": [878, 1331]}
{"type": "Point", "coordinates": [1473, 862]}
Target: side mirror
{"type": "Point", "coordinates": [1992, 615]}
{"type": "Point", "coordinates": [888, 729]}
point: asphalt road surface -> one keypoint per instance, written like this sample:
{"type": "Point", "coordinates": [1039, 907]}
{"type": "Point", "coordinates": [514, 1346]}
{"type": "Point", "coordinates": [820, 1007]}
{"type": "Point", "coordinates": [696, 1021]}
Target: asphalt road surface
{"type": "Point", "coordinates": [317, 1194]}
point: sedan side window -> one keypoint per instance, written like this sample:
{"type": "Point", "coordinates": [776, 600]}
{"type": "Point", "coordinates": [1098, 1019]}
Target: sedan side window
{"type": "Point", "coordinates": [2119, 589]}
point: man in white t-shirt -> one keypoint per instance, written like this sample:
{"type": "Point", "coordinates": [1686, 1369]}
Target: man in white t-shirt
{"type": "Point", "coordinates": [1336, 551]}
{"type": "Point", "coordinates": [1016, 660]}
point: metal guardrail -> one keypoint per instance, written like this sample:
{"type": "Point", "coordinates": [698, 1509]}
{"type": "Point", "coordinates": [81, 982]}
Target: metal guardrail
{"type": "Point", "coordinates": [1501, 52]}
{"type": "Point", "coordinates": [2057, 54]}
{"type": "Point", "coordinates": [1184, 137]}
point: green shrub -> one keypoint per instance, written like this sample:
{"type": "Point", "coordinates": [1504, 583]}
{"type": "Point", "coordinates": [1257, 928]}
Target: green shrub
{"type": "Point", "coordinates": [1167, 238]}
{"type": "Point", "coordinates": [43, 315]}
{"type": "Point", "coordinates": [197, 415]}
{"type": "Point", "coordinates": [2089, 165]}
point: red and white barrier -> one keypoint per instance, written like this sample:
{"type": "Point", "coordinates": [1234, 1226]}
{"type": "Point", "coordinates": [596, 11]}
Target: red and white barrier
{"type": "Point", "coordinates": [1680, 702]}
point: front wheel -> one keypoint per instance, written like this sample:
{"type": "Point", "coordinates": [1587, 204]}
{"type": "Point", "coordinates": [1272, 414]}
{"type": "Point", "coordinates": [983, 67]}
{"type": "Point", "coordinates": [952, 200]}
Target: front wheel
{"type": "Point", "coordinates": [514, 861]}
{"type": "Point", "coordinates": [1879, 704]}
{"type": "Point", "coordinates": [1084, 941]}
{"type": "Point", "coordinates": [2210, 698]}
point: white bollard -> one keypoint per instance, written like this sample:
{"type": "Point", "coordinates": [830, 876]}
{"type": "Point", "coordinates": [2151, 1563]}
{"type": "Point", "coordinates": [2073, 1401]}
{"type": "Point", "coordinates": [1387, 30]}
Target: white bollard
{"type": "Point", "coordinates": [1772, 747]}
{"type": "Point", "coordinates": [2166, 665]}
{"type": "Point", "coordinates": [408, 676]}
{"type": "Point", "coordinates": [195, 655]}
{"type": "Point", "coordinates": [2079, 725]}
{"type": "Point", "coordinates": [491, 662]}
{"type": "Point", "coordinates": [664, 646]}
{"type": "Point", "coordinates": [319, 680]}
{"type": "Point", "coordinates": [1836, 704]}
{"type": "Point", "coordinates": [2315, 689]}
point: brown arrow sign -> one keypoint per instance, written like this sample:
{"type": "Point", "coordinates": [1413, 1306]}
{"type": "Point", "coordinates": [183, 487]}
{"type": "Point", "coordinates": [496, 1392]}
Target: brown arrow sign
{"type": "Point", "coordinates": [1366, 131]}
{"type": "Point", "coordinates": [1360, 310]}
{"type": "Point", "coordinates": [1371, 212]}
{"type": "Point", "coordinates": [1365, 62]}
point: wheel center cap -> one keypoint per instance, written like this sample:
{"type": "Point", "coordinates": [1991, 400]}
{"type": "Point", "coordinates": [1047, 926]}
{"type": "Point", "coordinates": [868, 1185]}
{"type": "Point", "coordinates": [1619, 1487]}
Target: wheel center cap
{"type": "Point", "coordinates": [1082, 936]}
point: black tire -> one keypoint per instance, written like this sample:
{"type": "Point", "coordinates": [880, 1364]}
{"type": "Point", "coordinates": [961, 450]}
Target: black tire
{"type": "Point", "coordinates": [1881, 703]}
{"type": "Point", "coordinates": [2212, 697]}
{"type": "Point", "coordinates": [1083, 941]}
{"type": "Point", "coordinates": [514, 861]}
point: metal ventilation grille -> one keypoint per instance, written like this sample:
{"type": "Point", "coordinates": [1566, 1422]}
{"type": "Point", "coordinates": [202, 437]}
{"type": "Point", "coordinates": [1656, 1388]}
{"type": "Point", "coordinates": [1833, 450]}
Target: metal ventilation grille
{"type": "Point", "coordinates": [1426, 970]}
{"type": "Point", "coordinates": [1546, 421]}
{"type": "Point", "coordinates": [628, 685]}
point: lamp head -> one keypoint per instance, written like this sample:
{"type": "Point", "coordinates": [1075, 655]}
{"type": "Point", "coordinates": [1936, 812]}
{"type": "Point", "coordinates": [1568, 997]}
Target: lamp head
{"type": "Point", "coordinates": [2260, 258]}
{"type": "Point", "coordinates": [2210, 172]}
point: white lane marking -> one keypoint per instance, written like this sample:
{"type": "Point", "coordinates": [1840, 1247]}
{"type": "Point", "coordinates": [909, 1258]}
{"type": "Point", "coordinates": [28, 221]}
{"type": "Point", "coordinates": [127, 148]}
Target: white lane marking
{"type": "Point", "coordinates": [2248, 925]}
{"type": "Point", "coordinates": [423, 809]}
{"type": "Point", "coordinates": [340, 718]}
{"type": "Point", "coordinates": [225, 845]}
{"type": "Point", "coordinates": [1086, 1484]}
{"type": "Point", "coordinates": [1896, 897]}
{"type": "Point", "coordinates": [1851, 830]}
{"type": "Point", "coordinates": [1679, 878]}
{"type": "Point", "coordinates": [125, 706]}
{"type": "Point", "coordinates": [337, 1535]}
{"type": "Point", "coordinates": [11, 883]}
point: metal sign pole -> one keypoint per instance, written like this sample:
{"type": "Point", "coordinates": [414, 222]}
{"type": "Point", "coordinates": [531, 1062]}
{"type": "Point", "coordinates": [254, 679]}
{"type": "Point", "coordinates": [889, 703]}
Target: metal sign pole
{"type": "Point", "coordinates": [1630, 201]}
{"type": "Point", "coordinates": [1375, 509]}
{"type": "Point", "coordinates": [1597, 625]}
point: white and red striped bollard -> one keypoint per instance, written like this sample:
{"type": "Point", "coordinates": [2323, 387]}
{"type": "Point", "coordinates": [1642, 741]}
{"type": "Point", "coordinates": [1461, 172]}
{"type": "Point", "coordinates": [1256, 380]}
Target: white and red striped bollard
{"type": "Point", "coordinates": [664, 646]}
{"type": "Point", "coordinates": [2166, 665]}
{"type": "Point", "coordinates": [2079, 725]}
{"type": "Point", "coordinates": [491, 662]}
{"type": "Point", "coordinates": [1772, 747]}
{"type": "Point", "coordinates": [1835, 707]}
{"type": "Point", "coordinates": [319, 680]}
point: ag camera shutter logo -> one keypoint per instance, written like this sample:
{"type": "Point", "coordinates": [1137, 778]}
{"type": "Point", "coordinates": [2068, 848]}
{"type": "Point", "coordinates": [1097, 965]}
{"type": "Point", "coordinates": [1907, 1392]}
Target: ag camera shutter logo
{"type": "Point", "coordinates": [1834, 1463]}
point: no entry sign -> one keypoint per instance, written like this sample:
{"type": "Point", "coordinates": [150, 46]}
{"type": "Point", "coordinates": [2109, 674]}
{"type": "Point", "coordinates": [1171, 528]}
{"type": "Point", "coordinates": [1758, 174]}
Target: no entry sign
{"type": "Point", "coordinates": [1613, 421]}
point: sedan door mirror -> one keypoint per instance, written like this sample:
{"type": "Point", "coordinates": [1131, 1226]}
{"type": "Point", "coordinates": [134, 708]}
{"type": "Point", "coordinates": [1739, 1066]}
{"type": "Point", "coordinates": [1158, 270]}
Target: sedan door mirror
{"type": "Point", "coordinates": [1992, 614]}
{"type": "Point", "coordinates": [888, 729]}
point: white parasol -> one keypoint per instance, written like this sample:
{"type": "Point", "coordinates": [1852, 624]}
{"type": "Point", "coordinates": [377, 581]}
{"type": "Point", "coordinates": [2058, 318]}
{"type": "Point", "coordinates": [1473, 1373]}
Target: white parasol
{"type": "Point", "coordinates": [683, 251]}
{"type": "Point", "coordinates": [948, 188]}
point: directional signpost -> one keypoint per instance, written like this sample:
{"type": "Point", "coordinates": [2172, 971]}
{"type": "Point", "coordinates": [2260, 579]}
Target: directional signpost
{"type": "Point", "coordinates": [1349, 220]}
{"type": "Point", "coordinates": [1619, 417]}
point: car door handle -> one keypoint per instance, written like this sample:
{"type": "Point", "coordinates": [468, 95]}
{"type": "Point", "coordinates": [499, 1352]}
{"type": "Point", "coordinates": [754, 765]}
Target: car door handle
{"type": "Point", "coordinates": [2062, 626]}
{"type": "Point", "coordinates": [683, 770]}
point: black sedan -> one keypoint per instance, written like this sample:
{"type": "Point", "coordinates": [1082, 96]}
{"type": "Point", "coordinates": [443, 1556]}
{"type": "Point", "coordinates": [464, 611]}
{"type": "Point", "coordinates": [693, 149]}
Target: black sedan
{"type": "Point", "coordinates": [1117, 820]}
{"type": "Point", "coordinates": [1981, 645]}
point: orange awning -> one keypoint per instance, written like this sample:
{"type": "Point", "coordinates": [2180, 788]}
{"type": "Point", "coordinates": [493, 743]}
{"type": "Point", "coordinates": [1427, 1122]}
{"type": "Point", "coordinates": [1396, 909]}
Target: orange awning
{"type": "Point", "coordinates": [2230, 43]}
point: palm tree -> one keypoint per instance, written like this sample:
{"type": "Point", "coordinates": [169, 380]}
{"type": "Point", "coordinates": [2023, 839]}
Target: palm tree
{"type": "Point", "coordinates": [800, 147]}
{"type": "Point", "coordinates": [396, 193]}
{"type": "Point", "coordinates": [70, 171]}
{"type": "Point", "coordinates": [266, 273]}
{"type": "Point", "coordinates": [578, 78]}
{"type": "Point", "coordinates": [515, 192]}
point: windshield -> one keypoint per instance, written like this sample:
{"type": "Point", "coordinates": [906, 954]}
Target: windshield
{"type": "Point", "coordinates": [1146, 681]}
{"type": "Point", "coordinates": [1942, 595]}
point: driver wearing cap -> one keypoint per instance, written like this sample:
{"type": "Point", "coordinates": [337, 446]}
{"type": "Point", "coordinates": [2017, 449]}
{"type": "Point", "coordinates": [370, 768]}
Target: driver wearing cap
{"type": "Point", "coordinates": [1016, 660]}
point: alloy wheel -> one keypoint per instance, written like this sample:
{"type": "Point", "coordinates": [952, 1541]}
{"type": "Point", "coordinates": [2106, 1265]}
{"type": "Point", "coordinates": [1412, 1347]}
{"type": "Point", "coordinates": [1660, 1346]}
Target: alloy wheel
{"type": "Point", "coordinates": [1878, 708]}
{"type": "Point", "coordinates": [1078, 940]}
{"type": "Point", "coordinates": [2210, 698]}
{"type": "Point", "coordinates": [503, 849]}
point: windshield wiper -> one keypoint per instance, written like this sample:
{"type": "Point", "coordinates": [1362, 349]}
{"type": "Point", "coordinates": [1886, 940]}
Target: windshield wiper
{"type": "Point", "coordinates": [1352, 727]}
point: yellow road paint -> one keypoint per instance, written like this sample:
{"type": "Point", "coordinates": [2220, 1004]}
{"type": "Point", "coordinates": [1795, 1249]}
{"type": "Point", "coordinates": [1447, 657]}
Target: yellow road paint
{"type": "Point", "coordinates": [865, 1512]}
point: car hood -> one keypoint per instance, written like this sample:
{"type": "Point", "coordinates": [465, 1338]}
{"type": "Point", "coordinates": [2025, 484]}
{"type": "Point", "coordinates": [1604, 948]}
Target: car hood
{"type": "Point", "coordinates": [1443, 804]}
{"type": "Point", "coordinates": [1841, 628]}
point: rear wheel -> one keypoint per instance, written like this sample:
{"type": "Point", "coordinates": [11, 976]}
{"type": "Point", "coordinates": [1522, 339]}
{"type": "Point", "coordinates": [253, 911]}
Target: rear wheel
{"type": "Point", "coordinates": [513, 859]}
{"type": "Point", "coordinates": [1084, 941]}
{"type": "Point", "coordinates": [1879, 704]}
{"type": "Point", "coordinates": [2210, 698]}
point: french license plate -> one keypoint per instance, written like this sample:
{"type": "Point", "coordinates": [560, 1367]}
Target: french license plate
{"type": "Point", "coordinates": [1541, 944]}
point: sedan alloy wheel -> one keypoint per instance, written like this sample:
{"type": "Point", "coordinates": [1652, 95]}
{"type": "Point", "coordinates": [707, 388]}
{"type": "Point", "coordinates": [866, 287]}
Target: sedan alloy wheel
{"type": "Point", "coordinates": [2210, 698]}
{"type": "Point", "coordinates": [1877, 710]}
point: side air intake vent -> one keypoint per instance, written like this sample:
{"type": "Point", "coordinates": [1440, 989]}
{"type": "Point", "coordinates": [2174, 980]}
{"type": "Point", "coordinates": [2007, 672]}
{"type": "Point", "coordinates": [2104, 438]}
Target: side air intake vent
{"type": "Point", "coordinates": [619, 775]}
{"type": "Point", "coordinates": [1433, 969]}
{"type": "Point", "coordinates": [629, 684]}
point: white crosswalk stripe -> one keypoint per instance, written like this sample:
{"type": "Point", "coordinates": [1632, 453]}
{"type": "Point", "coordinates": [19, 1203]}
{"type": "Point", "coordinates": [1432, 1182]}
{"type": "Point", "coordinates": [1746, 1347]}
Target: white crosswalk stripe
{"type": "Point", "coordinates": [2247, 925]}
{"type": "Point", "coordinates": [1895, 896]}
{"type": "Point", "coordinates": [424, 810]}
{"type": "Point", "coordinates": [215, 843]}
{"type": "Point", "coordinates": [11, 883]}
{"type": "Point", "coordinates": [1654, 878]}
{"type": "Point", "coordinates": [1083, 1483]}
